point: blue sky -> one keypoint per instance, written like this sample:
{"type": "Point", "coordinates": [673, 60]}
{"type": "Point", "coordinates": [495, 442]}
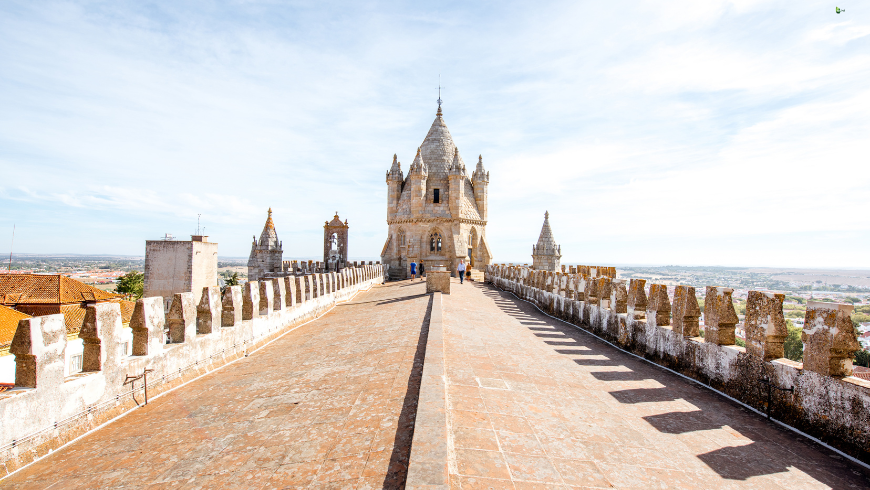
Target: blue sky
{"type": "Point", "coordinates": [697, 133]}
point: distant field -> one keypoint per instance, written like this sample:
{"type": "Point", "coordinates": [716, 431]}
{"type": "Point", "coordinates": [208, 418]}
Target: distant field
{"type": "Point", "coordinates": [828, 276]}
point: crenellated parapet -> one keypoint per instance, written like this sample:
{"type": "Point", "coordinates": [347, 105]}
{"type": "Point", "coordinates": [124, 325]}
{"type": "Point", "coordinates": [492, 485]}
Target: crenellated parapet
{"type": "Point", "coordinates": [820, 397]}
{"type": "Point", "coordinates": [205, 331]}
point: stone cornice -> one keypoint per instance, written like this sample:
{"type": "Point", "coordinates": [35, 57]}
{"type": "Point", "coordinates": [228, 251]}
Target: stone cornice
{"type": "Point", "coordinates": [436, 220]}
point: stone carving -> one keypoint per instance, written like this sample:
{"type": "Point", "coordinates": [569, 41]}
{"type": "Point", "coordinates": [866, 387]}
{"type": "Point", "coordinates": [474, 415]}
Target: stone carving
{"type": "Point", "coordinates": [279, 294]}
{"type": "Point", "coordinates": [765, 325]}
{"type": "Point", "coordinates": [208, 312]}
{"type": "Point", "coordinates": [267, 297]}
{"type": "Point", "coordinates": [251, 301]}
{"type": "Point", "coordinates": [659, 307]}
{"type": "Point", "coordinates": [618, 296]}
{"type": "Point", "coordinates": [148, 323]}
{"type": "Point", "coordinates": [181, 319]}
{"type": "Point", "coordinates": [719, 316]}
{"type": "Point", "coordinates": [637, 301]}
{"type": "Point", "coordinates": [39, 346]}
{"type": "Point", "coordinates": [231, 309]}
{"type": "Point", "coordinates": [686, 312]}
{"type": "Point", "coordinates": [829, 339]}
{"type": "Point", "coordinates": [101, 332]}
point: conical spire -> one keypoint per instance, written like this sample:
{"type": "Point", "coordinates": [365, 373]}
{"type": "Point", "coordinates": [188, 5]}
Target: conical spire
{"type": "Point", "coordinates": [456, 167]}
{"type": "Point", "coordinates": [395, 172]}
{"type": "Point", "coordinates": [438, 147]}
{"type": "Point", "coordinates": [418, 165]}
{"type": "Point", "coordinates": [546, 243]}
{"type": "Point", "coordinates": [269, 237]}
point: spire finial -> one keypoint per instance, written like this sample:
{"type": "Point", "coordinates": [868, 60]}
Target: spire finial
{"type": "Point", "coordinates": [270, 211]}
{"type": "Point", "coordinates": [439, 94]}
{"type": "Point", "coordinates": [546, 215]}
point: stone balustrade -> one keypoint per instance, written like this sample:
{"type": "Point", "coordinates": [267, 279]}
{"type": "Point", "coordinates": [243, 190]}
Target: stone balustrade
{"type": "Point", "coordinates": [197, 334]}
{"type": "Point", "coordinates": [826, 401]}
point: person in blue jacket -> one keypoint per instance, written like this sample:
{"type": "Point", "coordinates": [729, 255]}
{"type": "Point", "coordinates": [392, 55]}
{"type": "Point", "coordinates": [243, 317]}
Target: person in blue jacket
{"type": "Point", "coordinates": [413, 270]}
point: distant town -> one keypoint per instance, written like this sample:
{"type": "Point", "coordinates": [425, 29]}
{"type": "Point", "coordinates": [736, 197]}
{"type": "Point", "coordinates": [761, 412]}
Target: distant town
{"type": "Point", "coordinates": [798, 285]}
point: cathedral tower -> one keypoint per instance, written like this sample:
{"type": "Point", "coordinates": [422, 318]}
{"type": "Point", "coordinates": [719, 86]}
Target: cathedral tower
{"type": "Point", "coordinates": [436, 214]}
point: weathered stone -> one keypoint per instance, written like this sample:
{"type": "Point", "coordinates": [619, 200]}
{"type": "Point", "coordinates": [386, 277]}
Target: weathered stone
{"type": "Point", "coordinates": [279, 294]}
{"type": "Point", "coordinates": [829, 338]}
{"type": "Point", "coordinates": [300, 288]}
{"type": "Point", "coordinates": [438, 281]}
{"type": "Point", "coordinates": [181, 319]}
{"type": "Point", "coordinates": [251, 301]}
{"type": "Point", "coordinates": [765, 325]}
{"type": "Point", "coordinates": [267, 297]}
{"type": "Point", "coordinates": [719, 316]}
{"type": "Point", "coordinates": [686, 312]}
{"type": "Point", "coordinates": [290, 292]}
{"type": "Point", "coordinates": [101, 334]}
{"type": "Point", "coordinates": [39, 346]}
{"type": "Point", "coordinates": [232, 306]}
{"type": "Point", "coordinates": [618, 296]}
{"type": "Point", "coordinates": [208, 312]}
{"type": "Point", "coordinates": [148, 323]}
{"type": "Point", "coordinates": [590, 294]}
{"type": "Point", "coordinates": [658, 311]}
{"type": "Point", "coordinates": [603, 290]}
{"type": "Point", "coordinates": [637, 301]}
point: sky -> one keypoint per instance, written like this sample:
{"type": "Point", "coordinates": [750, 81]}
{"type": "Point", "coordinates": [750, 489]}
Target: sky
{"type": "Point", "coordinates": [683, 133]}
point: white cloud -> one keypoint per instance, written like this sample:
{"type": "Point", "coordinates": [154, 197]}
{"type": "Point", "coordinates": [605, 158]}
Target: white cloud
{"type": "Point", "coordinates": [642, 129]}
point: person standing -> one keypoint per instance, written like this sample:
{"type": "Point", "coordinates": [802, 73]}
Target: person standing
{"type": "Point", "coordinates": [422, 270]}
{"type": "Point", "coordinates": [413, 270]}
{"type": "Point", "coordinates": [460, 269]}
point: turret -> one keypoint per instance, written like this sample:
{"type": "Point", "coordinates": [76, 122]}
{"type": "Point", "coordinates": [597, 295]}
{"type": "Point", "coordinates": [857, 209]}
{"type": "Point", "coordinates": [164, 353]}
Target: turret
{"type": "Point", "coordinates": [546, 254]}
{"type": "Point", "coordinates": [417, 175]}
{"type": "Point", "coordinates": [480, 181]}
{"type": "Point", "coordinates": [457, 184]}
{"type": "Point", "coordinates": [394, 187]}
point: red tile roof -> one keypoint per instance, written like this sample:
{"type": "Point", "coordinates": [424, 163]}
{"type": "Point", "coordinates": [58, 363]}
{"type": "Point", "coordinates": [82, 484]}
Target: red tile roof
{"type": "Point", "coordinates": [74, 314]}
{"type": "Point", "coordinates": [8, 324]}
{"type": "Point", "coordinates": [17, 289]}
{"type": "Point", "coordinates": [861, 372]}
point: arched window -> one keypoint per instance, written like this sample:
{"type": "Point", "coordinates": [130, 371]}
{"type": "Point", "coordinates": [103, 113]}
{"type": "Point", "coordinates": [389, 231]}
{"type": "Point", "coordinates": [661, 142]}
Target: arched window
{"type": "Point", "coordinates": [401, 238]}
{"type": "Point", "coordinates": [435, 242]}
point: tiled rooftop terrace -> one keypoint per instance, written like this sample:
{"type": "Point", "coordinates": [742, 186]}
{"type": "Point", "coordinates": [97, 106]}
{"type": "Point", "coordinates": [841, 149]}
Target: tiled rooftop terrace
{"type": "Point", "coordinates": [531, 402]}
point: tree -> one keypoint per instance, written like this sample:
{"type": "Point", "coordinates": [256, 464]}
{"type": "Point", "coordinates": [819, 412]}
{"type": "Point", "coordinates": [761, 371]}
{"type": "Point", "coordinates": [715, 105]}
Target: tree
{"type": "Point", "coordinates": [131, 284]}
{"type": "Point", "coordinates": [230, 280]}
{"type": "Point", "coordinates": [793, 346]}
{"type": "Point", "coordinates": [862, 358]}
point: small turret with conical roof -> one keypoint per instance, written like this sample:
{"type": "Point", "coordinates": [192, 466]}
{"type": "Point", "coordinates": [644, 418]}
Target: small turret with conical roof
{"type": "Point", "coordinates": [267, 254]}
{"type": "Point", "coordinates": [546, 254]}
{"type": "Point", "coordinates": [480, 183]}
{"type": "Point", "coordinates": [395, 179]}
{"type": "Point", "coordinates": [417, 176]}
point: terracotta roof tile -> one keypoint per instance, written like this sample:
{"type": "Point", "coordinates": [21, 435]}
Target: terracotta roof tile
{"type": "Point", "coordinates": [861, 372]}
{"type": "Point", "coordinates": [8, 324]}
{"type": "Point", "coordinates": [16, 289]}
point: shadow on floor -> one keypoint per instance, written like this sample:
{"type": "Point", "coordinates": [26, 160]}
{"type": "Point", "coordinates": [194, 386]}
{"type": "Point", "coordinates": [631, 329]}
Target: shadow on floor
{"type": "Point", "coordinates": [763, 456]}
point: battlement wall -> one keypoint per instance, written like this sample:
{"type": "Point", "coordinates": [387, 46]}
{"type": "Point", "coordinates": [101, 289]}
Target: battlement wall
{"type": "Point", "coordinates": [818, 396]}
{"type": "Point", "coordinates": [198, 333]}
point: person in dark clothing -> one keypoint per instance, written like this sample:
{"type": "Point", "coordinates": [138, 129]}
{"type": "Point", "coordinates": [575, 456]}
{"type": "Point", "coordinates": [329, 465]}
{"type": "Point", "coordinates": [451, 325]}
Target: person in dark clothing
{"type": "Point", "coordinates": [422, 270]}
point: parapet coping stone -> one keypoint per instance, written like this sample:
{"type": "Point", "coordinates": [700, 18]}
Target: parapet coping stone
{"type": "Point", "coordinates": [427, 467]}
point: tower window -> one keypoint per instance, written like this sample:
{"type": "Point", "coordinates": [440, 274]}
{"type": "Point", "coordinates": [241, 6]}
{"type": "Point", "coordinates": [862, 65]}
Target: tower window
{"type": "Point", "coordinates": [437, 196]}
{"type": "Point", "coordinates": [435, 242]}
